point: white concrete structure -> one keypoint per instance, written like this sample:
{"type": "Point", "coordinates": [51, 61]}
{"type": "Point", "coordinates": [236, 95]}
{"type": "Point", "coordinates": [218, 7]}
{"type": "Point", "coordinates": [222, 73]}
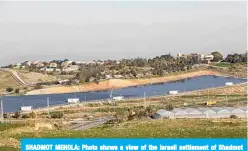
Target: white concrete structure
{"type": "Point", "coordinates": [49, 69]}
{"type": "Point", "coordinates": [26, 108]}
{"type": "Point", "coordinates": [53, 65]}
{"type": "Point", "coordinates": [108, 76]}
{"type": "Point", "coordinates": [27, 63]}
{"type": "Point", "coordinates": [66, 63]}
{"type": "Point", "coordinates": [209, 57]}
{"type": "Point", "coordinates": [40, 64]}
{"type": "Point", "coordinates": [173, 92]}
{"type": "Point", "coordinates": [73, 100]}
{"type": "Point", "coordinates": [118, 98]}
{"type": "Point", "coordinates": [71, 68]}
{"type": "Point", "coordinates": [228, 83]}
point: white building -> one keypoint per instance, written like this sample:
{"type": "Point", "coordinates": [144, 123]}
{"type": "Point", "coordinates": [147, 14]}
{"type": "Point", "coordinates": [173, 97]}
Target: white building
{"type": "Point", "coordinates": [39, 65]}
{"type": "Point", "coordinates": [47, 69]}
{"type": "Point", "coordinates": [66, 63]}
{"type": "Point", "coordinates": [53, 65]}
{"type": "Point", "coordinates": [80, 62]}
{"type": "Point", "coordinates": [35, 62]}
{"type": "Point", "coordinates": [209, 57]}
{"type": "Point", "coordinates": [27, 63]}
{"type": "Point", "coordinates": [108, 76]}
{"type": "Point", "coordinates": [71, 68]}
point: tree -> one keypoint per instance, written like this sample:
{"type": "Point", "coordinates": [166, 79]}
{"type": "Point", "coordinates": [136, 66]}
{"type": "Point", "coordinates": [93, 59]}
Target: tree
{"type": "Point", "coordinates": [134, 73]}
{"type": "Point", "coordinates": [234, 58]}
{"type": "Point", "coordinates": [17, 115]}
{"type": "Point", "coordinates": [17, 90]}
{"type": "Point", "coordinates": [37, 86]}
{"type": "Point", "coordinates": [56, 115]}
{"type": "Point", "coordinates": [169, 107]}
{"type": "Point", "coordinates": [9, 89]}
{"type": "Point", "coordinates": [217, 56]}
{"type": "Point", "coordinates": [32, 115]}
{"type": "Point", "coordinates": [160, 72]}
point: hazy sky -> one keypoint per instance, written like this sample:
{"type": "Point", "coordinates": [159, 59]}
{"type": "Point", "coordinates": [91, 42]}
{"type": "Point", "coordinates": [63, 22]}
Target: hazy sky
{"type": "Point", "coordinates": [115, 30]}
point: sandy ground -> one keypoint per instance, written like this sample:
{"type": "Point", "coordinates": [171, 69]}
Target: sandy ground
{"type": "Point", "coordinates": [117, 83]}
{"type": "Point", "coordinates": [6, 80]}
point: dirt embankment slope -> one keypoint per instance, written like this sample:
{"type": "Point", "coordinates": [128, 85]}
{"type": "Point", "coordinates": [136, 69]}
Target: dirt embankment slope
{"type": "Point", "coordinates": [117, 83]}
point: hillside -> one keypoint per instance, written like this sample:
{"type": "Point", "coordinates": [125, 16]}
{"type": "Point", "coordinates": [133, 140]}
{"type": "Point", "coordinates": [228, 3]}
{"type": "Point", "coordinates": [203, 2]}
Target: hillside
{"type": "Point", "coordinates": [6, 80]}
{"type": "Point", "coordinates": [118, 83]}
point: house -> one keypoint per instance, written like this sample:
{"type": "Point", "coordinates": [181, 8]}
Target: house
{"type": "Point", "coordinates": [39, 65]}
{"type": "Point", "coordinates": [35, 62]}
{"type": "Point", "coordinates": [18, 64]}
{"type": "Point", "coordinates": [71, 68]}
{"type": "Point", "coordinates": [118, 76]}
{"type": "Point", "coordinates": [47, 69]}
{"type": "Point", "coordinates": [208, 57]}
{"type": "Point", "coordinates": [195, 66]}
{"type": "Point", "coordinates": [42, 69]}
{"type": "Point", "coordinates": [57, 70]}
{"type": "Point", "coordinates": [108, 76]}
{"type": "Point", "coordinates": [66, 63]}
{"type": "Point", "coordinates": [80, 62]}
{"type": "Point", "coordinates": [100, 62]}
{"type": "Point", "coordinates": [92, 79]}
{"type": "Point", "coordinates": [27, 63]}
{"type": "Point", "coordinates": [63, 81]}
{"type": "Point", "coordinates": [179, 55]}
{"type": "Point", "coordinates": [202, 56]}
{"type": "Point", "coordinates": [53, 65]}
{"type": "Point", "coordinates": [139, 75]}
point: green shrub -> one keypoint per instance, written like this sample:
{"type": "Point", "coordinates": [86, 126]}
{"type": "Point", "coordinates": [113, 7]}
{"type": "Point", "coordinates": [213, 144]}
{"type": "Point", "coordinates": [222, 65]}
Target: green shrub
{"type": "Point", "coordinates": [17, 90]}
{"type": "Point", "coordinates": [56, 115]}
{"type": "Point", "coordinates": [17, 115]}
{"type": "Point", "coordinates": [9, 89]}
{"type": "Point", "coordinates": [25, 116]}
{"type": "Point", "coordinates": [32, 115]}
{"type": "Point", "coordinates": [233, 116]}
{"type": "Point", "coordinates": [169, 107]}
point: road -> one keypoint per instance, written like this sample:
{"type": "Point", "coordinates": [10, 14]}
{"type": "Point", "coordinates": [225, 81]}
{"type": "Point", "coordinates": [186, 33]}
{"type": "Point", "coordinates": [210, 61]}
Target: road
{"type": "Point", "coordinates": [89, 124]}
{"type": "Point", "coordinates": [15, 75]}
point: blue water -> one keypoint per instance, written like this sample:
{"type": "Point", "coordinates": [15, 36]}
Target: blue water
{"type": "Point", "coordinates": [13, 103]}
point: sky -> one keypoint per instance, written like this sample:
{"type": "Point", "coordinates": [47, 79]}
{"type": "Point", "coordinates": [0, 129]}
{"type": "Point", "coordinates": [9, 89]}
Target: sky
{"type": "Point", "coordinates": [114, 30]}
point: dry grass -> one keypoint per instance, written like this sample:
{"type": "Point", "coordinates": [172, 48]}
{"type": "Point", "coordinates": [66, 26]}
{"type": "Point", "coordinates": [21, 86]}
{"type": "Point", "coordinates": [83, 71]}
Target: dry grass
{"type": "Point", "coordinates": [146, 128]}
{"type": "Point", "coordinates": [34, 77]}
{"type": "Point", "coordinates": [6, 81]}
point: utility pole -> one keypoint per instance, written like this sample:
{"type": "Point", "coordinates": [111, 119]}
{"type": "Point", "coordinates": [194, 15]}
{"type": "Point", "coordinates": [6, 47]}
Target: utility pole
{"type": "Point", "coordinates": [1, 111]}
{"type": "Point", "coordinates": [48, 112]}
{"type": "Point", "coordinates": [226, 100]}
{"type": "Point", "coordinates": [208, 94]}
{"type": "Point", "coordinates": [145, 98]}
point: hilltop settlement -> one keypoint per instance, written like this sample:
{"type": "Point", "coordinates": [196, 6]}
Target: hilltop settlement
{"type": "Point", "coordinates": [33, 75]}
